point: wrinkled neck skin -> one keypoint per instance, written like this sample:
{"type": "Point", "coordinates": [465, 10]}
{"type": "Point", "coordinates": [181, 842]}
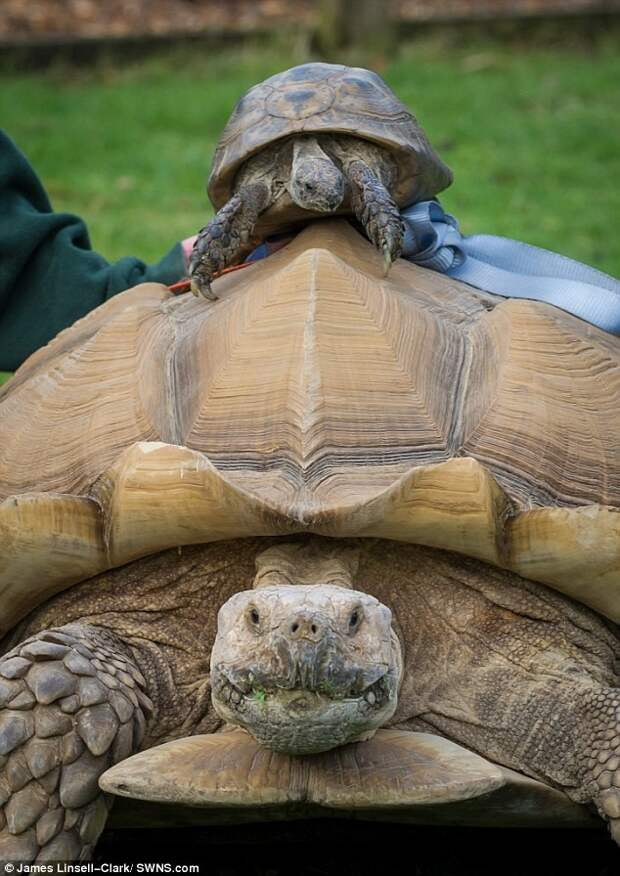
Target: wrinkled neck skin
{"type": "Point", "coordinates": [303, 661]}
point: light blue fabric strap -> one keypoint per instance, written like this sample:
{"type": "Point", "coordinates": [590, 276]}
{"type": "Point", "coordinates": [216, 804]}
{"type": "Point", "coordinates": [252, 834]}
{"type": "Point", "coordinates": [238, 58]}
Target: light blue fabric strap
{"type": "Point", "coordinates": [509, 267]}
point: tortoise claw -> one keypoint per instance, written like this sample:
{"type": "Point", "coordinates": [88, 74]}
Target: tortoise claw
{"type": "Point", "coordinates": [201, 288]}
{"type": "Point", "coordinates": [387, 260]}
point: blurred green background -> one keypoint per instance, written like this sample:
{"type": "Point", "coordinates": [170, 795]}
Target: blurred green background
{"type": "Point", "coordinates": [532, 134]}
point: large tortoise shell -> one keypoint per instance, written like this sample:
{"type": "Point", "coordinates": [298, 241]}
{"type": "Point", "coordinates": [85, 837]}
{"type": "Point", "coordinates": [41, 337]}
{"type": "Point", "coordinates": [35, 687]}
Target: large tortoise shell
{"type": "Point", "coordinates": [315, 98]}
{"type": "Point", "coordinates": [315, 396]}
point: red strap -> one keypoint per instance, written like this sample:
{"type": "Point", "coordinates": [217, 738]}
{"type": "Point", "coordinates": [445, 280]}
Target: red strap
{"type": "Point", "coordinates": [180, 287]}
{"type": "Point", "coordinates": [185, 285]}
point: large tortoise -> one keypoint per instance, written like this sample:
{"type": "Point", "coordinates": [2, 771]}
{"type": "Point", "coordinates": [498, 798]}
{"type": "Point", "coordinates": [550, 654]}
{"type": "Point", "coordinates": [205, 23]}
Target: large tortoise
{"type": "Point", "coordinates": [400, 494]}
{"type": "Point", "coordinates": [313, 140]}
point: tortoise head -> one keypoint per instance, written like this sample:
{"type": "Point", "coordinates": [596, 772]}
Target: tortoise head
{"type": "Point", "coordinates": [303, 661]}
{"type": "Point", "coordinates": [315, 183]}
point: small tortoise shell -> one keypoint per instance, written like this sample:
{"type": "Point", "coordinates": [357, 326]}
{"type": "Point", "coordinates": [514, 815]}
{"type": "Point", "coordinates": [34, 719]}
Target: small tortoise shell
{"type": "Point", "coordinates": [326, 98]}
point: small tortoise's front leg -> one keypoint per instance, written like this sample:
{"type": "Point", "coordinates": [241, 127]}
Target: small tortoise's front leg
{"type": "Point", "coordinates": [374, 208]}
{"type": "Point", "coordinates": [228, 237]}
{"type": "Point", "coordinates": [73, 704]}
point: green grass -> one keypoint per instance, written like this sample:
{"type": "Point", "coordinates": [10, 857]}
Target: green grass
{"type": "Point", "coordinates": [531, 134]}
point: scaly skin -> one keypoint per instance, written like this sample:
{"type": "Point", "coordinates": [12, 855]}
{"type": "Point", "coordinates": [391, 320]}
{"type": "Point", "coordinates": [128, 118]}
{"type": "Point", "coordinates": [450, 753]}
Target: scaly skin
{"type": "Point", "coordinates": [600, 773]}
{"type": "Point", "coordinates": [227, 238]}
{"type": "Point", "coordinates": [377, 212]}
{"type": "Point", "coordinates": [508, 668]}
{"type": "Point", "coordinates": [74, 704]}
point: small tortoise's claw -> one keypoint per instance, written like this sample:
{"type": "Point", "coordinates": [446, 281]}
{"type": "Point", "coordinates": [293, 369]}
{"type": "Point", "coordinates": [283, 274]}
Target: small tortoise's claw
{"type": "Point", "coordinates": [391, 245]}
{"type": "Point", "coordinates": [387, 260]}
{"type": "Point", "coordinates": [201, 288]}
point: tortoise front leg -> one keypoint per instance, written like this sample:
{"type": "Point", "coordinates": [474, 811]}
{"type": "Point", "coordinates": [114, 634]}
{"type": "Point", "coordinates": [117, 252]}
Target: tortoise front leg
{"type": "Point", "coordinates": [600, 756]}
{"type": "Point", "coordinates": [228, 237]}
{"type": "Point", "coordinates": [374, 208]}
{"type": "Point", "coordinates": [565, 734]}
{"type": "Point", "coordinates": [73, 704]}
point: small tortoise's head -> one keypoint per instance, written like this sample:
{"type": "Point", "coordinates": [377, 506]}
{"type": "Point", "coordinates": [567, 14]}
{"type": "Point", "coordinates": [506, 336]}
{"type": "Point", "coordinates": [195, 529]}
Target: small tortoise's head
{"type": "Point", "coordinates": [305, 667]}
{"type": "Point", "coordinates": [316, 183]}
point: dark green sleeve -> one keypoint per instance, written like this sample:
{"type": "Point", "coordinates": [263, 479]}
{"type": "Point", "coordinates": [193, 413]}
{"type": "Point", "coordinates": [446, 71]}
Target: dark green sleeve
{"type": "Point", "coordinates": [49, 275]}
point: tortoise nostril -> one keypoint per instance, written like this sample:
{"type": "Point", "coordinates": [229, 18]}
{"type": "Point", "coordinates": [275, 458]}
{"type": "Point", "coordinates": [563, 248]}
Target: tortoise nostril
{"type": "Point", "coordinates": [305, 625]}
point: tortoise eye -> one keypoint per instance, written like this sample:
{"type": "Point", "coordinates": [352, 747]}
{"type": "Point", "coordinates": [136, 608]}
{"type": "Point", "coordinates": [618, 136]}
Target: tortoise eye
{"type": "Point", "coordinates": [354, 619]}
{"type": "Point", "coordinates": [254, 616]}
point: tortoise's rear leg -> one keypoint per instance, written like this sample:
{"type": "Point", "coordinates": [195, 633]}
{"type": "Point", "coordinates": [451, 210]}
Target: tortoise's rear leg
{"type": "Point", "coordinates": [72, 703]}
{"type": "Point", "coordinates": [228, 237]}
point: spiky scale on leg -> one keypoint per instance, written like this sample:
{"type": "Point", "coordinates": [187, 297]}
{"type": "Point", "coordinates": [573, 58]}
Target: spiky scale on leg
{"type": "Point", "coordinates": [228, 237]}
{"type": "Point", "coordinates": [61, 726]}
{"type": "Point", "coordinates": [375, 209]}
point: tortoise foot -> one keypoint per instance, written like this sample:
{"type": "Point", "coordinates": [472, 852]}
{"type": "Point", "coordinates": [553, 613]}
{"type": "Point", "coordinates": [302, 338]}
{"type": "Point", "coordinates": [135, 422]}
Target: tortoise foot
{"type": "Point", "coordinates": [228, 237]}
{"type": "Point", "coordinates": [72, 705]}
{"type": "Point", "coordinates": [375, 209]}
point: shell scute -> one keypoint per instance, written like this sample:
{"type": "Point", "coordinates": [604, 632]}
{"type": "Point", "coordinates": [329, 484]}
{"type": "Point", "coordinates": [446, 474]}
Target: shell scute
{"type": "Point", "coordinates": [299, 102]}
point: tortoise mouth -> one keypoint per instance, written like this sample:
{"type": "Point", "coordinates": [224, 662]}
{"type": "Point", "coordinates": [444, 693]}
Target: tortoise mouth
{"type": "Point", "coordinates": [373, 697]}
{"type": "Point", "coordinates": [303, 721]}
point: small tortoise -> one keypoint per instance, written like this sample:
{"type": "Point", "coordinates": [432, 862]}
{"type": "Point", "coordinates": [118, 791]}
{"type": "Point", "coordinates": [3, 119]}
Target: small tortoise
{"type": "Point", "coordinates": [316, 139]}
{"type": "Point", "coordinates": [381, 485]}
